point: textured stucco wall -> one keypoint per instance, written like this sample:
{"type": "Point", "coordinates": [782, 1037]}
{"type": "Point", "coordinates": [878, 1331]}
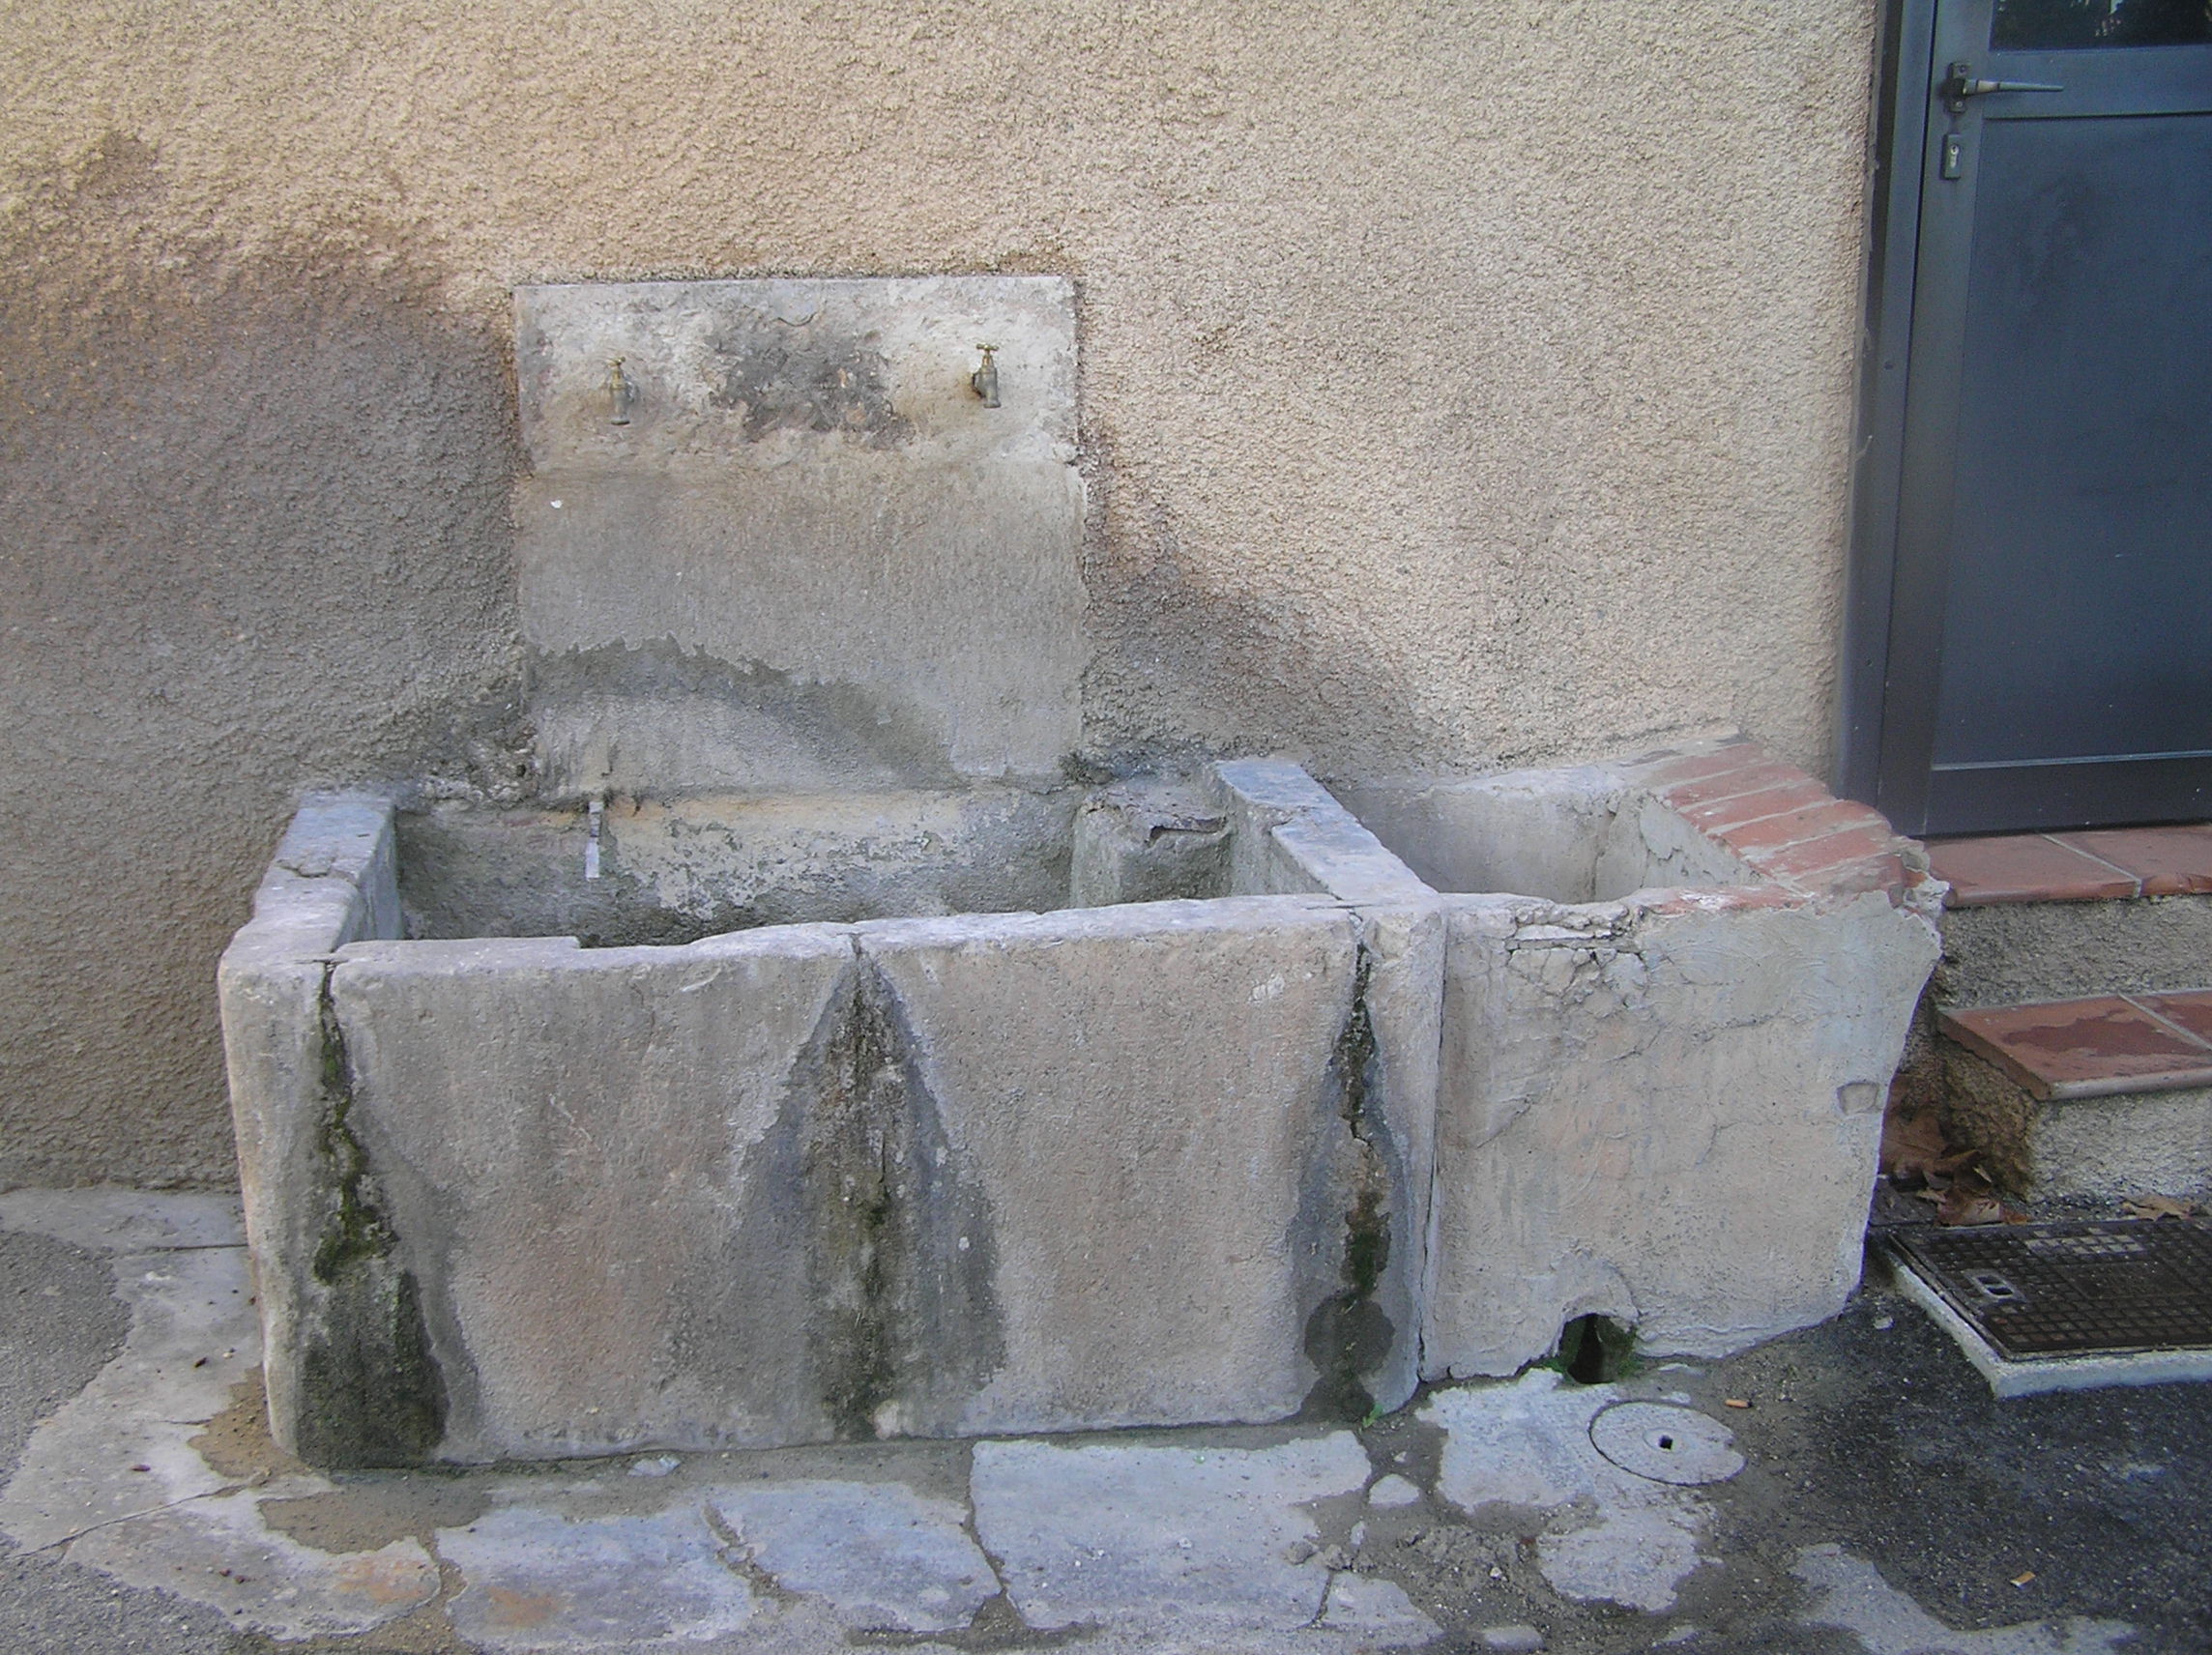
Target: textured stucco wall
{"type": "Point", "coordinates": [1461, 384]}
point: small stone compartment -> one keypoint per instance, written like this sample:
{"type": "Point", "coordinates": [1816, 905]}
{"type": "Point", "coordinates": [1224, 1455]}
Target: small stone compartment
{"type": "Point", "coordinates": [1663, 1065]}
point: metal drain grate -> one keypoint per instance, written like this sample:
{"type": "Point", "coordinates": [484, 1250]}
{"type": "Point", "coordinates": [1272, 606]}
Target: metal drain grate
{"type": "Point", "coordinates": [2072, 1288]}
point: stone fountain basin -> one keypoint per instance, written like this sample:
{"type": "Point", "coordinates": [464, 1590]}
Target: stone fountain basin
{"type": "Point", "coordinates": [1302, 1129]}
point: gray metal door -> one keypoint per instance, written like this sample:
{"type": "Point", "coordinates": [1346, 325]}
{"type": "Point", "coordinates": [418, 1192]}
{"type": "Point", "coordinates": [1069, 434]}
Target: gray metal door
{"type": "Point", "coordinates": [2050, 635]}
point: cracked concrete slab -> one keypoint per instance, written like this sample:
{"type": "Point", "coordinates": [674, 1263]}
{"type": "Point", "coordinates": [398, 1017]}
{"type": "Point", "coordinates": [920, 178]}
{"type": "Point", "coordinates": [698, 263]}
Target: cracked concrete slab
{"type": "Point", "coordinates": [1163, 1536]}
{"type": "Point", "coordinates": [1616, 1537]}
{"type": "Point", "coordinates": [542, 1579]}
{"type": "Point", "coordinates": [120, 1447]}
{"type": "Point", "coordinates": [1393, 1491]}
{"type": "Point", "coordinates": [114, 1473]}
{"type": "Point", "coordinates": [110, 1220]}
{"type": "Point", "coordinates": [1377, 1608]}
{"type": "Point", "coordinates": [1851, 1595]}
{"type": "Point", "coordinates": [882, 1557]}
{"type": "Point", "coordinates": [219, 1552]}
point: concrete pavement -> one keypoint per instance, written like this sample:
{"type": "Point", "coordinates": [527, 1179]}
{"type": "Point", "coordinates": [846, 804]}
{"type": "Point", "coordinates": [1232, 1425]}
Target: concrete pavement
{"type": "Point", "coordinates": [1873, 1500]}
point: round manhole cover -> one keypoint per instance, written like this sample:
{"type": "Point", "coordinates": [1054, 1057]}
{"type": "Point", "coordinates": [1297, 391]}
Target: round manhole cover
{"type": "Point", "coordinates": [1666, 1443]}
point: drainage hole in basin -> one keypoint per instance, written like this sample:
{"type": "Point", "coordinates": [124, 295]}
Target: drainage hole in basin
{"type": "Point", "coordinates": [1595, 1349]}
{"type": "Point", "coordinates": [1666, 1443]}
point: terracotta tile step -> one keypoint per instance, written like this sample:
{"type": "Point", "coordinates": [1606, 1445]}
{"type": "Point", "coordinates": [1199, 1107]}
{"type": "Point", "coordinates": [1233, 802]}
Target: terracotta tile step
{"type": "Point", "coordinates": [2094, 1047]}
{"type": "Point", "coordinates": [2104, 865]}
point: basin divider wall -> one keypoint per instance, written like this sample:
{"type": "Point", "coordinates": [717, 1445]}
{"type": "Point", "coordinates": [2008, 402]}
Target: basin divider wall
{"type": "Point", "coordinates": [1290, 833]}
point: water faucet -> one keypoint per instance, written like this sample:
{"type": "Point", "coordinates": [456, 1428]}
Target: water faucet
{"type": "Point", "coordinates": [622, 393]}
{"type": "Point", "coordinates": [984, 381]}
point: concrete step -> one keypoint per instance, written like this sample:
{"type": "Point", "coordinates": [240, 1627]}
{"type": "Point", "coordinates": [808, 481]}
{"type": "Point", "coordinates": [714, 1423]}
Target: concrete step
{"type": "Point", "coordinates": [2046, 917]}
{"type": "Point", "coordinates": [2077, 867]}
{"type": "Point", "coordinates": [2091, 1097]}
{"type": "Point", "coordinates": [2067, 1034]}
{"type": "Point", "coordinates": [2069, 1031]}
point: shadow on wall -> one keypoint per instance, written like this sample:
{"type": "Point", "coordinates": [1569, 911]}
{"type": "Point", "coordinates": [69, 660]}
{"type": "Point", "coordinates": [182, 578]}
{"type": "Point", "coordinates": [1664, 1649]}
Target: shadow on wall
{"type": "Point", "coordinates": [257, 536]}
{"type": "Point", "coordinates": [1182, 669]}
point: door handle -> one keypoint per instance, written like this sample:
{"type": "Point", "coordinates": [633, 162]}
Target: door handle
{"type": "Point", "coordinates": [1963, 85]}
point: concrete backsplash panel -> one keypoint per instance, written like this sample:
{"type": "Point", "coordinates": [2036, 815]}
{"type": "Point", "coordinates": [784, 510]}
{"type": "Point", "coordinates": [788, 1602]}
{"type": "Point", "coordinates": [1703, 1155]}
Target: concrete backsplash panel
{"type": "Point", "coordinates": [797, 481]}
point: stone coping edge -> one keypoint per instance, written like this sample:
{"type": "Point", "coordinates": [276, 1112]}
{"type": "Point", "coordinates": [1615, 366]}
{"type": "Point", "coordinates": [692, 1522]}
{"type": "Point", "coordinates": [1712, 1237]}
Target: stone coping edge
{"type": "Point", "coordinates": [1785, 825]}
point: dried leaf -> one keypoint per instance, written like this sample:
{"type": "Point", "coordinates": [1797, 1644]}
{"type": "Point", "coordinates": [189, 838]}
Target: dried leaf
{"type": "Point", "coordinates": [1912, 1144]}
{"type": "Point", "coordinates": [2160, 1207]}
{"type": "Point", "coordinates": [1964, 1203]}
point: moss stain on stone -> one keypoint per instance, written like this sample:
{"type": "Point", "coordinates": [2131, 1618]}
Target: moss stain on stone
{"type": "Point", "coordinates": [1347, 1334]}
{"type": "Point", "coordinates": [358, 1230]}
{"type": "Point", "coordinates": [859, 1257]}
{"type": "Point", "coordinates": [900, 1254]}
{"type": "Point", "coordinates": [786, 381]}
{"type": "Point", "coordinates": [370, 1390]}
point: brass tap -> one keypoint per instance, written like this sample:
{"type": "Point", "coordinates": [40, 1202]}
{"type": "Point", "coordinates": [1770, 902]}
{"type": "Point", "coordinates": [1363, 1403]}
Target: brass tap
{"type": "Point", "coordinates": [622, 393]}
{"type": "Point", "coordinates": [984, 381]}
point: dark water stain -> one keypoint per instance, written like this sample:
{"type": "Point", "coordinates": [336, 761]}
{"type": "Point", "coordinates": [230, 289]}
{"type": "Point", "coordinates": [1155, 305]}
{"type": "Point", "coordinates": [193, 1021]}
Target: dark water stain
{"type": "Point", "coordinates": [820, 383]}
{"type": "Point", "coordinates": [259, 541]}
{"type": "Point", "coordinates": [370, 1390]}
{"type": "Point", "coordinates": [901, 1257]}
{"type": "Point", "coordinates": [1348, 1335]}
{"type": "Point", "coordinates": [860, 1296]}
{"type": "Point", "coordinates": [849, 730]}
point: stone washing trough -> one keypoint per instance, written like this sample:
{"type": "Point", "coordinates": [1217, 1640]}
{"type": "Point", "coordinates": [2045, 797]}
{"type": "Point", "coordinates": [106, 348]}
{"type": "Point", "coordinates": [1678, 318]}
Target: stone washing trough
{"type": "Point", "coordinates": [1249, 1111]}
{"type": "Point", "coordinates": [1122, 1164]}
